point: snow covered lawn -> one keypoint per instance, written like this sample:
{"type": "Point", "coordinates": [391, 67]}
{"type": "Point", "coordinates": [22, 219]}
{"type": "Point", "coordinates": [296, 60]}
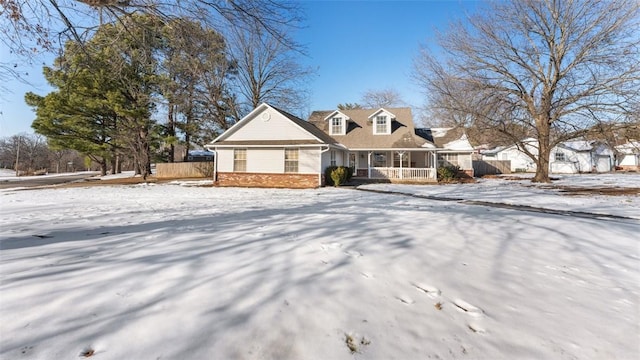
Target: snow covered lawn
{"type": "Point", "coordinates": [175, 272]}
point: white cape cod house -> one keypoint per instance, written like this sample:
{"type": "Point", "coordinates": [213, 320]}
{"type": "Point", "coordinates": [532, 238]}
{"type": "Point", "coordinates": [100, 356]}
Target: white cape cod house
{"type": "Point", "coordinates": [384, 144]}
{"type": "Point", "coordinates": [272, 148]}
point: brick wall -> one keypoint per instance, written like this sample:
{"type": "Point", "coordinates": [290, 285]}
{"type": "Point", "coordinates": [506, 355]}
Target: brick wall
{"type": "Point", "coordinates": [293, 181]}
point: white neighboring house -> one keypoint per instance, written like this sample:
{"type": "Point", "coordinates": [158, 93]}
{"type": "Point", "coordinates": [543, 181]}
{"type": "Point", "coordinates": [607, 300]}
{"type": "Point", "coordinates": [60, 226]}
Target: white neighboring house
{"type": "Point", "coordinates": [580, 156]}
{"type": "Point", "coordinates": [272, 148]}
{"type": "Point", "coordinates": [454, 147]}
{"type": "Point", "coordinates": [628, 156]}
{"type": "Point", "coordinates": [569, 157]}
{"type": "Point", "coordinates": [520, 162]}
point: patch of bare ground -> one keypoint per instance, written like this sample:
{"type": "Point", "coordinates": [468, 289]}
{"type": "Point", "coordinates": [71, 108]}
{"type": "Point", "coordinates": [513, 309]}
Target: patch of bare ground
{"type": "Point", "coordinates": [578, 190]}
{"type": "Point", "coordinates": [125, 181]}
{"type": "Point", "coordinates": [612, 191]}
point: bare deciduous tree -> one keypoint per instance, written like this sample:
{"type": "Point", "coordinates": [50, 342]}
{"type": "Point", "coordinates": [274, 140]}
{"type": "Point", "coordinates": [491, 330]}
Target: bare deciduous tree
{"type": "Point", "coordinates": [29, 27]}
{"type": "Point", "coordinates": [268, 70]}
{"type": "Point", "coordinates": [381, 98]}
{"type": "Point", "coordinates": [549, 69]}
{"type": "Point", "coordinates": [349, 106]}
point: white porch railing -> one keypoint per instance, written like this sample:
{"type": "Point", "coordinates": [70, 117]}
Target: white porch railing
{"type": "Point", "coordinates": [404, 173]}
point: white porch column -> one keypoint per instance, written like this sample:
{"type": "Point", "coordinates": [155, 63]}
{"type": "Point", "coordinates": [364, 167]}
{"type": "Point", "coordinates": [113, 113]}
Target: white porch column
{"type": "Point", "coordinates": [401, 155]}
{"type": "Point", "coordinates": [369, 165]}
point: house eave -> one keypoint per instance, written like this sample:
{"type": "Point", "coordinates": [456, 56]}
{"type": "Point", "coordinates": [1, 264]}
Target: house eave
{"type": "Point", "coordinates": [392, 149]}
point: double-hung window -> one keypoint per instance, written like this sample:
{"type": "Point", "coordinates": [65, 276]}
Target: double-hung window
{"type": "Point", "coordinates": [333, 158]}
{"type": "Point", "coordinates": [291, 160]}
{"type": "Point", "coordinates": [379, 159]}
{"type": "Point", "coordinates": [381, 125]}
{"type": "Point", "coordinates": [448, 160]}
{"type": "Point", "coordinates": [336, 126]}
{"type": "Point", "coordinates": [239, 160]}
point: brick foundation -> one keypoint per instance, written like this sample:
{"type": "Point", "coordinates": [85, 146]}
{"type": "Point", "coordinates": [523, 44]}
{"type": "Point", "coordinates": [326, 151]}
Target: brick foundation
{"type": "Point", "coordinates": [291, 181]}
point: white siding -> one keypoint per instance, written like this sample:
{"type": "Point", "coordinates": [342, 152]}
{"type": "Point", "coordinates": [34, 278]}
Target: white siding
{"type": "Point", "coordinates": [629, 160]}
{"type": "Point", "coordinates": [270, 160]}
{"type": "Point", "coordinates": [341, 158]}
{"type": "Point", "coordinates": [309, 162]}
{"type": "Point", "coordinates": [519, 160]}
{"type": "Point", "coordinates": [277, 127]}
{"type": "Point", "coordinates": [224, 159]}
{"type": "Point", "coordinates": [575, 162]}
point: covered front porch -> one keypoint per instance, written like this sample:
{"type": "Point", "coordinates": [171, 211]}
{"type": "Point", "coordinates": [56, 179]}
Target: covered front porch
{"type": "Point", "coordinates": [409, 165]}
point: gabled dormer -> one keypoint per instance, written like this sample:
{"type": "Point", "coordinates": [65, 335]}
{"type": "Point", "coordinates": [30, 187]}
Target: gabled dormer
{"type": "Point", "coordinates": [337, 123]}
{"type": "Point", "coordinates": [381, 121]}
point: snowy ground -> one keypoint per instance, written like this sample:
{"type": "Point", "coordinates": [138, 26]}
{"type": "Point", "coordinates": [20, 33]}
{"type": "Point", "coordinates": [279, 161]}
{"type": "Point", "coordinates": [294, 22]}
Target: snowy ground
{"type": "Point", "coordinates": [175, 272]}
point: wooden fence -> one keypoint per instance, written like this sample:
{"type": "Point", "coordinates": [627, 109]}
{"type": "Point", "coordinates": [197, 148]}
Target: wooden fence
{"type": "Point", "coordinates": [491, 167]}
{"type": "Point", "coordinates": [184, 170]}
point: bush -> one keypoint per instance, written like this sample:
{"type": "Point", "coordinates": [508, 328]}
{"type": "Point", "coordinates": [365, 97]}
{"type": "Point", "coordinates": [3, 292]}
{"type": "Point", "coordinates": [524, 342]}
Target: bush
{"type": "Point", "coordinates": [337, 175]}
{"type": "Point", "coordinates": [448, 173]}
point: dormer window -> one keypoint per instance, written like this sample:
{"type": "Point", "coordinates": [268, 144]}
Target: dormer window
{"type": "Point", "coordinates": [337, 123]}
{"type": "Point", "coordinates": [337, 126]}
{"type": "Point", "coordinates": [381, 125]}
{"type": "Point", "coordinates": [381, 122]}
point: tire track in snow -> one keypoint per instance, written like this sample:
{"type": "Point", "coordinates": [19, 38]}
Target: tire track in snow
{"type": "Point", "coordinates": [581, 214]}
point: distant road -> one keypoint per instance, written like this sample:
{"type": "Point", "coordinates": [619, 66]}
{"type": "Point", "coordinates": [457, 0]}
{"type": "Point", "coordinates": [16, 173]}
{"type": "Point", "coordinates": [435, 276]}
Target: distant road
{"type": "Point", "coordinates": [44, 180]}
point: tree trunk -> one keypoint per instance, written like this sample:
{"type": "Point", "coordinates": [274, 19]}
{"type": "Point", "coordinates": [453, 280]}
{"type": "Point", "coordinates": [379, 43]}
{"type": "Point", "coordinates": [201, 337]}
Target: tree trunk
{"type": "Point", "coordinates": [171, 127]}
{"type": "Point", "coordinates": [118, 164]}
{"type": "Point", "coordinates": [542, 163]}
{"type": "Point", "coordinates": [103, 166]}
{"type": "Point", "coordinates": [144, 155]}
{"type": "Point", "coordinates": [113, 163]}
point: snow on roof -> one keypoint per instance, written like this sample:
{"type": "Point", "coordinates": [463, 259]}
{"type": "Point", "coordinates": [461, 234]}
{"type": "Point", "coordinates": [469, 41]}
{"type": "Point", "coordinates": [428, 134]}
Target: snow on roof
{"type": "Point", "coordinates": [200, 153]}
{"type": "Point", "coordinates": [439, 132]}
{"type": "Point", "coordinates": [578, 145]}
{"type": "Point", "coordinates": [631, 147]}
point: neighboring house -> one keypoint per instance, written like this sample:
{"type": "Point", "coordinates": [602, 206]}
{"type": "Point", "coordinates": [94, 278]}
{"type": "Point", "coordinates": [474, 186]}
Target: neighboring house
{"type": "Point", "coordinates": [384, 144]}
{"type": "Point", "coordinates": [569, 157]}
{"type": "Point", "coordinates": [200, 156]}
{"type": "Point", "coordinates": [453, 147]}
{"type": "Point", "coordinates": [272, 148]}
{"type": "Point", "coordinates": [572, 157]}
{"type": "Point", "coordinates": [628, 156]}
{"type": "Point", "coordinates": [520, 162]}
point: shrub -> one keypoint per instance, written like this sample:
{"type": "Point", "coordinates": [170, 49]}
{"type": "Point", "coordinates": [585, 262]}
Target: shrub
{"type": "Point", "coordinates": [337, 175]}
{"type": "Point", "coordinates": [448, 173]}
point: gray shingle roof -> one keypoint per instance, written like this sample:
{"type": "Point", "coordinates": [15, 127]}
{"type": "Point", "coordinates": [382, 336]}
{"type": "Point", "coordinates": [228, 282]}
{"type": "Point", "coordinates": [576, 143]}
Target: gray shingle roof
{"type": "Point", "coordinates": [359, 134]}
{"type": "Point", "coordinates": [308, 127]}
{"type": "Point", "coordinates": [441, 136]}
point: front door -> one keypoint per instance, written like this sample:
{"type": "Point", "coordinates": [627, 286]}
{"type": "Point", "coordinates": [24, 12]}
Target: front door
{"type": "Point", "coordinates": [352, 162]}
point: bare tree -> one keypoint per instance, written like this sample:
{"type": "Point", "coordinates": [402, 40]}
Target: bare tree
{"type": "Point", "coordinates": [197, 73]}
{"type": "Point", "coordinates": [550, 69]}
{"type": "Point", "coordinates": [349, 106]}
{"type": "Point", "coordinates": [29, 27]}
{"type": "Point", "coordinates": [25, 153]}
{"type": "Point", "coordinates": [381, 98]}
{"type": "Point", "coordinates": [268, 70]}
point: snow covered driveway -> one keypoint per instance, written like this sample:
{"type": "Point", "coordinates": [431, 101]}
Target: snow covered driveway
{"type": "Point", "coordinates": [173, 272]}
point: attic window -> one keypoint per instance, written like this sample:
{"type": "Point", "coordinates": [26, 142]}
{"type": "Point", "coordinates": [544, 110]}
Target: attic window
{"type": "Point", "coordinates": [381, 125]}
{"type": "Point", "coordinates": [560, 156]}
{"type": "Point", "coordinates": [337, 126]}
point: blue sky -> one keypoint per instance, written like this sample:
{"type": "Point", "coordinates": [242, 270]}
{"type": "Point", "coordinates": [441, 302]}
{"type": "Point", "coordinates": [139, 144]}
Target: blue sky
{"type": "Point", "coordinates": [354, 45]}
